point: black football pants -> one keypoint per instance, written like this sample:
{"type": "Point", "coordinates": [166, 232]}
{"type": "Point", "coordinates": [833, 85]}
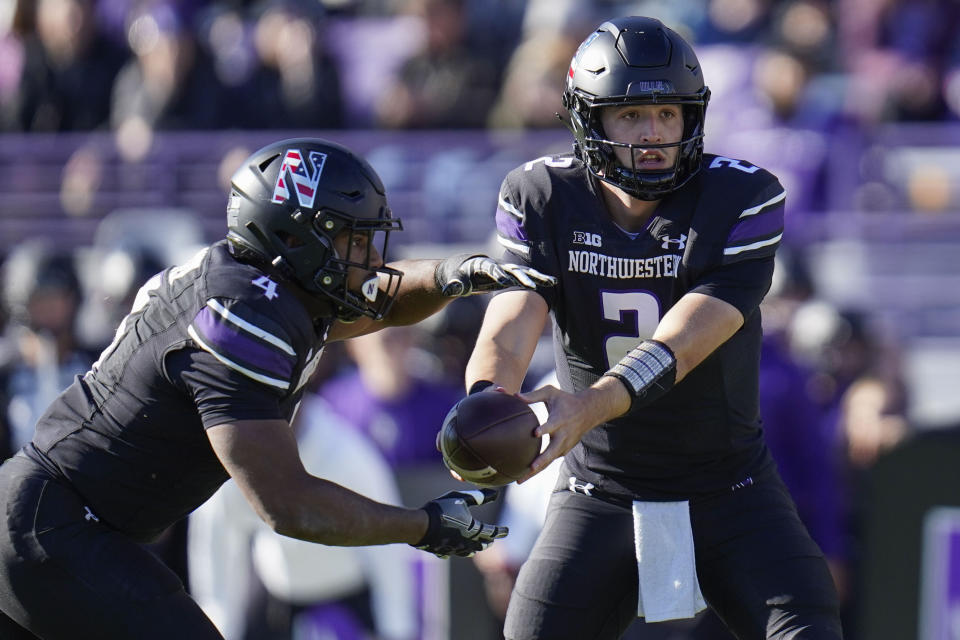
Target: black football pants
{"type": "Point", "coordinates": [758, 569]}
{"type": "Point", "coordinates": [63, 575]}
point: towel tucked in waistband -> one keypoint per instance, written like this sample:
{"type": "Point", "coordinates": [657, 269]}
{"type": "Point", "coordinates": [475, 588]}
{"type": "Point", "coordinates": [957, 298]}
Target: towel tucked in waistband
{"type": "Point", "coordinates": [666, 564]}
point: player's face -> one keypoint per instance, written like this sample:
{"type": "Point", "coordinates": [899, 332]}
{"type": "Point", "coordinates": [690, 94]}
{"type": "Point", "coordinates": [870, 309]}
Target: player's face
{"type": "Point", "coordinates": [358, 247]}
{"type": "Point", "coordinates": [644, 124]}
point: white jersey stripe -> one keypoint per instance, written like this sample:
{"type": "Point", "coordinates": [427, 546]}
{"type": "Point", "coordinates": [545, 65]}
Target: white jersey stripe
{"type": "Point", "coordinates": [757, 209]}
{"type": "Point", "coordinates": [250, 328]}
{"type": "Point", "coordinates": [509, 208]}
{"type": "Point", "coordinates": [730, 251]}
{"type": "Point", "coordinates": [517, 247]}
{"type": "Point", "coordinates": [273, 382]}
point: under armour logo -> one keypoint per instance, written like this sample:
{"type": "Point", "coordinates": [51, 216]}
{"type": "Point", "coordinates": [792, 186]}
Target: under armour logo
{"type": "Point", "coordinates": [680, 242]}
{"type": "Point", "coordinates": [586, 488]}
{"type": "Point", "coordinates": [90, 515]}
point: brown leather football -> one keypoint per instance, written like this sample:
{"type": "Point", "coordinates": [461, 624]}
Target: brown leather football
{"type": "Point", "coordinates": [487, 438]}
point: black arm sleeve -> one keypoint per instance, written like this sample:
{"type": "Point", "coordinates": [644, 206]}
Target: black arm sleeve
{"type": "Point", "coordinates": [742, 284]}
{"type": "Point", "coordinates": [220, 393]}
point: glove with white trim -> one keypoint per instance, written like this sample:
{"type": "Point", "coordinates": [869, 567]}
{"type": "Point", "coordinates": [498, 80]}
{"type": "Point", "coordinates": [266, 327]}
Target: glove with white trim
{"type": "Point", "coordinates": [466, 274]}
{"type": "Point", "coordinates": [453, 530]}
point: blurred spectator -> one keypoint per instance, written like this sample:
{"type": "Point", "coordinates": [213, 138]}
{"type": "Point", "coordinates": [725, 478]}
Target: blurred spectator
{"type": "Point", "coordinates": [856, 383]}
{"type": "Point", "coordinates": [170, 82]}
{"type": "Point", "coordinates": [451, 335]}
{"type": "Point", "coordinates": [794, 93]}
{"type": "Point", "coordinates": [369, 51]}
{"type": "Point", "coordinates": [871, 421]}
{"type": "Point", "coordinates": [83, 175]}
{"type": "Point", "coordinates": [291, 81]}
{"type": "Point", "coordinates": [804, 449]}
{"type": "Point", "coordinates": [447, 84]}
{"type": "Point", "coordinates": [42, 294]}
{"type": "Point", "coordinates": [837, 345]}
{"type": "Point", "coordinates": [14, 26]}
{"type": "Point", "coordinates": [403, 385]}
{"type": "Point", "coordinates": [114, 279]}
{"type": "Point", "coordinates": [496, 27]}
{"type": "Point", "coordinates": [268, 64]}
{"type": "Point", "coordinates": [951, 80]}
{"type": "Point", "coordinates": [68, 70]}
{"type": "Point", "coordinates": [897, 53]}
{"type": "Point", "coordinates": [793, 420]}
{"type": "Point", "coordinates": [530, 95]}
{"type": "Point", "coordinates": [259, 585]}
{"type": "Point", "coordinates": [741, 21]}
{"type": "Point", "coordinates": [395, 395]}
{"type": "Point", "coordinates": [226, 34]}
{"type": "Point", "coordinates": [129, 246]}
{"type": "Point", "coordinates": [573, 18]}
{"type": "Point", "coordinates": [806, 29]}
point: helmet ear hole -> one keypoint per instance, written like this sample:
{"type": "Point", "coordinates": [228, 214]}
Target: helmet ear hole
{"type": "Point", "coordinates": [289, 240]}
{"type": "Point", "coordinates": [327, 243]}
{"type": "Point", "coordinates": [267, 161]}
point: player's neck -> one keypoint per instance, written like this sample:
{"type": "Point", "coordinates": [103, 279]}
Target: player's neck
{"type": "Point", "coordinates": [629, 213]}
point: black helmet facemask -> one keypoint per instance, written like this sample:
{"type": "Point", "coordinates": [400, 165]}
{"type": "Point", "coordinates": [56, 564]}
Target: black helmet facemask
{"type": "Point", "coordinates": [363, 237]}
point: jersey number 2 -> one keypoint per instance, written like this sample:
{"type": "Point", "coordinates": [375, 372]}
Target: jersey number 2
{"type": "Point", "coordinates": [639, 310]}
{"type": "Point", "coordinates": [739, 165]}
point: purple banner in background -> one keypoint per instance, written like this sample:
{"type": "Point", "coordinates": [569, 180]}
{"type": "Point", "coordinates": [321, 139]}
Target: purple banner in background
{"type": "Point", "coordinates": [940, 578]}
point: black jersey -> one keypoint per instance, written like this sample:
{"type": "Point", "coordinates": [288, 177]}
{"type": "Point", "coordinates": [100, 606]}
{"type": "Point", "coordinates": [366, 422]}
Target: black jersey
{"type": "Point", "coordinates": [717, 235]}
{"type": "Point", "coordinates": [208, 342]}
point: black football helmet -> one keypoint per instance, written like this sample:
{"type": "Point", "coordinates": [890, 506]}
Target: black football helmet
{"type": "Point", "coordinates": [290, 200]}
{"type": "Point", "coordinates": [635, 60]}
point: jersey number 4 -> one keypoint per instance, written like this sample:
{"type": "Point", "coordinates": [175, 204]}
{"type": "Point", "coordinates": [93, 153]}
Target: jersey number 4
{"type": "Point", "coordinates": [639, 311]}
{"type": "Point", "coordinates": [269, 286]}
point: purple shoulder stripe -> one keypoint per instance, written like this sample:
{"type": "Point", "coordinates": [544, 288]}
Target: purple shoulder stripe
{"type": "Point", "coordinates": [761, 225]}
{"type": "Point", "coordinates": [241, 347]}
{"type": "Point", "coordinates": [510, 226]}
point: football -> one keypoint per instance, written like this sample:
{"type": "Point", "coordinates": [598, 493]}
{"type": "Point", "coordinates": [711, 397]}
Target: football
{"type": "Point", "coordinates": [487, 438]}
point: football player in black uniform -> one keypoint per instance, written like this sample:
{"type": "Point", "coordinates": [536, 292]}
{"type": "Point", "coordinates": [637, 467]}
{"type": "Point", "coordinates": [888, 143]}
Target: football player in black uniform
{"type": "Point", "coordinates": [200, 384]}
{"type": "Point", "coordinates": [662, 255]}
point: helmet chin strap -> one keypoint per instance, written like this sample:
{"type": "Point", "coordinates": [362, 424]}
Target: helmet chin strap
{"type": "Point", "coordinates": [647, 178]}
{"type": "Point", "coordinates": [643, 185]}
{"type": "Point", "coordinates": [347, 315]}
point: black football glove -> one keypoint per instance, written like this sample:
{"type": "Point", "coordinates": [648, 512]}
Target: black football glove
{"type": "Point", "coordinates": [466, 274]}
{"type": "Point", "coordinates": [453, 530]}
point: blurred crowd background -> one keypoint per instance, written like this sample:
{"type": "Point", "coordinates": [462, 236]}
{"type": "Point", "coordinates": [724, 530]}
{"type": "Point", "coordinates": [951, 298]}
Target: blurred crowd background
{"type": "Point", "coordinates": [121, 122]}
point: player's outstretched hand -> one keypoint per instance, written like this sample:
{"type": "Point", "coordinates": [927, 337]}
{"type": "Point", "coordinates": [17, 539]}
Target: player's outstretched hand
{"type": "Point", "coordinates": [466, 274]}
{"type": "Point", "coordinates": [453, 530]}
{"type": "Point", "coordinates": [570, 415]}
